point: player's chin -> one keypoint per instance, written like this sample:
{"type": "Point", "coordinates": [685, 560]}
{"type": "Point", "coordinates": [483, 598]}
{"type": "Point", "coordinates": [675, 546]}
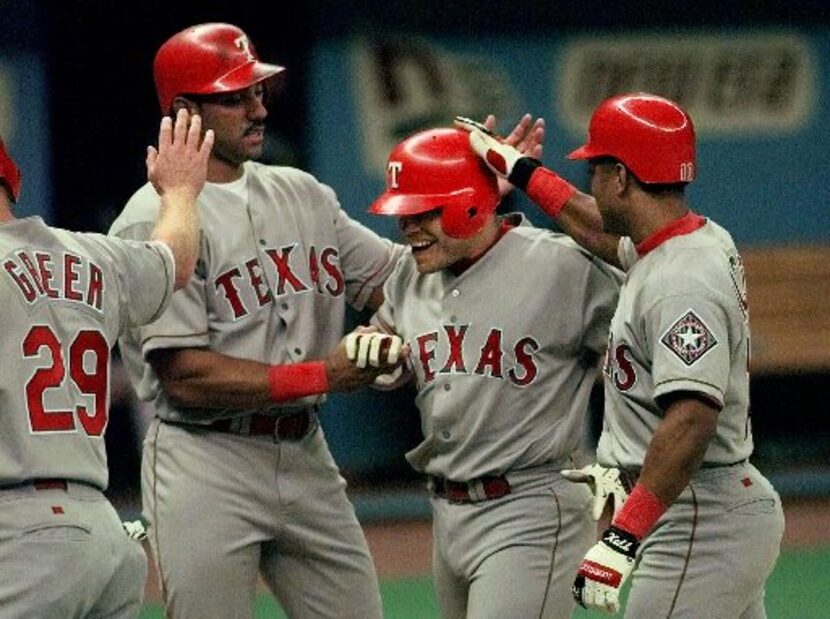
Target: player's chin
{"type": "Point", "coordinates": [426, 264]}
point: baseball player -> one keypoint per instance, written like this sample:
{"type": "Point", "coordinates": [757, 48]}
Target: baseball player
{"type": "Point", "coordinates": [505, 324]}
{"type": "Point", "coordinates": [64, 298]}
{"type": "Point", "coordinates": [701, 524]}
{"type": "Point", "coordinates": [237, 478]}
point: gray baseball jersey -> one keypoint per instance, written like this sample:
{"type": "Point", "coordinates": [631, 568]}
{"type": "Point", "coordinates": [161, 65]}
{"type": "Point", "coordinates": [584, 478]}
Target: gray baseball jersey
{"type": "Point", "coordinates": [679, 328]}
{"type": "Point", "coordinates": [505, 355]}
{"type": "Point", "coordinates": [65, 297]}
{"type": "Point", "coordinates": [682, 324]}
{"type": "Point", "coordinates": [279, 260]}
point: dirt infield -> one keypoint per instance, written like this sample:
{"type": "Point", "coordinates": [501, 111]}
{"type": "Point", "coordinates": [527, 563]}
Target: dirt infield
{"type": "Point", "coordinates": [402, 549]}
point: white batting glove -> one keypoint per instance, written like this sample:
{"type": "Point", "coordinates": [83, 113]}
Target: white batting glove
{"type": "Point", "coordinates": [503, 159]}
{"type": "Point", "coordinates": [374, 349]}
{"type": "Point", "coordinates": [604, 482]}
{"type": "Point", "coordinates": [604, 570]}
{"type": "Point", "coordinates": [134, 530]}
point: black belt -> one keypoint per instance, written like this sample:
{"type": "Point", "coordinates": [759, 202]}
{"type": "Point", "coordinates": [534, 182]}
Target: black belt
{"type": "Point", "coordinates": [289, 427]}
{"type": "Point", "coordinates": [479, 489]}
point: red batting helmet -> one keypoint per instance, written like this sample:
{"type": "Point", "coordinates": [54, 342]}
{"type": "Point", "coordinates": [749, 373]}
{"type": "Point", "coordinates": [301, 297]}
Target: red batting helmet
{"type": "Point", "coordinates": [206, 59]}
{"type": "Point", "coordinates": [9, 173]}
{"type": "Point", "coordinates": [654, 137]}
{"type": "Point", "coordinates": [438, 169]}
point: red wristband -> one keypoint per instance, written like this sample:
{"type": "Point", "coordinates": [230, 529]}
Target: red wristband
{"type": "Point", "coordinates": [549, 190]}
{"type": "Point", "coordinates": [297, 380]}
{"type": "Point", "coordinates": [641, 510]}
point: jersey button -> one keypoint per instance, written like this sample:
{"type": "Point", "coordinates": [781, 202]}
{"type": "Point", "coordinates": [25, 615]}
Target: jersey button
{"type": "Point", "coordinates": [447, 387]}
{"type": "Point", "coordinates": [453, 318]}
{"type": "Point", "coordinates": [284, 306]}
{"type": "Point", "coordinates": [446, 435]}
{"type": "Point", "coordinates": [455, 293]}
{"type": "Point", "coordinates": [298, 351]}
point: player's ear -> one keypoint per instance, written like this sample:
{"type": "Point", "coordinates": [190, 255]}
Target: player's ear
{"type": "Point", "coordinates": [622, 176]}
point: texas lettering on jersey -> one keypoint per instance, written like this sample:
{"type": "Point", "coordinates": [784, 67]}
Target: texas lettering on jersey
{"type": "Point", "coordinates": [42, 276]}
{"type": "Point", "coordinates": [487, 359]}
{"type": "Point", "coordinates": [325, 277]}
{"type": "Point", "coordinates": [618, 365]}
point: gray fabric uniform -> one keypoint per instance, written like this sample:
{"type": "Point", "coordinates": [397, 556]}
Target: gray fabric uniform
{"type": "Point", "coordinates": [279, 260]}
{"type": "Point", "coordinates": [682, 324]}
{"type": "Point", "coordinates": [505, 356]}
{"type": "Point", "coordinates": [64, 298]}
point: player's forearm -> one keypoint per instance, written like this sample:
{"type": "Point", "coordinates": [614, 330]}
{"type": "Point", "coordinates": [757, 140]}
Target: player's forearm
{"type": "Point", "coordinates": [580, 219]}
{"type": "Point", "coordinates": [575, 212]}
{"type": "Point", "coordinates": [178, 227]}
{"type": "Point", "coordinates": [199, 378]}
{"type": "Point", "coordinates": [677, 448]}
{"type": "Point", "coordinates": [675, 453]}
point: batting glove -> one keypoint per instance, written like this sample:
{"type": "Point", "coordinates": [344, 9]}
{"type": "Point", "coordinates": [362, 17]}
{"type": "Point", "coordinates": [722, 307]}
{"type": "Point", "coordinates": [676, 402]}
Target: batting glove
{"type": "Point", "coordinates": [365, 349]}
{"type": "Point", "coordinates": [134, 530]}
{"type": "Point", "coordinates": [506, 161]}
{"type": "Point", "coordinates": [604, 483]}
{"type": "Point", "coordinates": [604, 570]}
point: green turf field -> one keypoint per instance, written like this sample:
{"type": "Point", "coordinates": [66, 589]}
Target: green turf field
{"type": "Point", "coordinates": [797, 589]}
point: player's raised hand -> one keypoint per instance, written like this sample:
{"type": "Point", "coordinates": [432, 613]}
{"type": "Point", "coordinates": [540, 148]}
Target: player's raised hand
{"type": "Point", "coordinates": [604, 570]}
{"type": "Point", "coordinates": [525, 142]}
{"type": "Point", "coordinates": [179, 164]}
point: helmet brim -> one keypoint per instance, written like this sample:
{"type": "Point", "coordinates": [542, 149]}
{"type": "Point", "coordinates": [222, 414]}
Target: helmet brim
{"type": "Point", "coordinates": [398, 203]}
{"type": "Point", "coordinates": [248, 74]}
{"type": "Point", "coordinates": [585, 152]}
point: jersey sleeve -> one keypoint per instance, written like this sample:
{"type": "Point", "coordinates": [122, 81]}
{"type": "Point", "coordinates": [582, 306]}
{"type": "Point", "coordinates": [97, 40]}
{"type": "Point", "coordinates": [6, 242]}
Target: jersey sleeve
{"type": "Point", "coordinates": [690, 340]}
{"type": "Point", "coordinates": [366, 258]}
{"type": "Point", "coordinates": [146, 274]}
{"type": "Point", "coordinates": [184, 323]}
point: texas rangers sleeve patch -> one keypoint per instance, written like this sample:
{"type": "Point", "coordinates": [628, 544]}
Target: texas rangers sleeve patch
{"type": "Point", "coordinates": [689, 338]}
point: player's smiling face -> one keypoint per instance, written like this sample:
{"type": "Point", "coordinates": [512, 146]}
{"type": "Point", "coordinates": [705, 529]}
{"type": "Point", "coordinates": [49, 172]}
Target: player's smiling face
{"type": "Point", "coordinates": [432, 248]}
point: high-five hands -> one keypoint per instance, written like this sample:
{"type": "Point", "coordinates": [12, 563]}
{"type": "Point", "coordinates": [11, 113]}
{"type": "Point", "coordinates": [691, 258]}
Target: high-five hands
{"type": "Point", "coordinates": [513, 158]}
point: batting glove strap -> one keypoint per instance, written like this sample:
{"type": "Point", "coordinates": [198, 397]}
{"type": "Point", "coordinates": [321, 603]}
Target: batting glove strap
{"type": "Point", "coordinates": [604, 570]}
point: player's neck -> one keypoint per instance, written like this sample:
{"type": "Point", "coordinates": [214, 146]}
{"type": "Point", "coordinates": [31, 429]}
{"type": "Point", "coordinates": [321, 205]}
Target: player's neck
{"type": "Point", "coordinates": [220, 171]}
{"type": "Point", "coordinates": [653, 215]}
{"type": "Point", "coordinates": [6, 214]}
{"type": "Point", "coordinates": [488, 237]}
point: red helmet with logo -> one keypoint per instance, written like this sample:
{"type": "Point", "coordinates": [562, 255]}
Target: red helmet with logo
{"type": "Point", "coordinates": [437, 168]}
{"type": "Point", "coordinates": [653, 136]}
{"type": "Point", "coordinates": [206, 59]}
{"type": "Point", "coordinates": [9, 173]}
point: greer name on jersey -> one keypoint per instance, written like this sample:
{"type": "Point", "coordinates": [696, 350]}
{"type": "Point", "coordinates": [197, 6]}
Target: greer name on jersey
{"type": "Point", "coordinates": [42, 275]}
